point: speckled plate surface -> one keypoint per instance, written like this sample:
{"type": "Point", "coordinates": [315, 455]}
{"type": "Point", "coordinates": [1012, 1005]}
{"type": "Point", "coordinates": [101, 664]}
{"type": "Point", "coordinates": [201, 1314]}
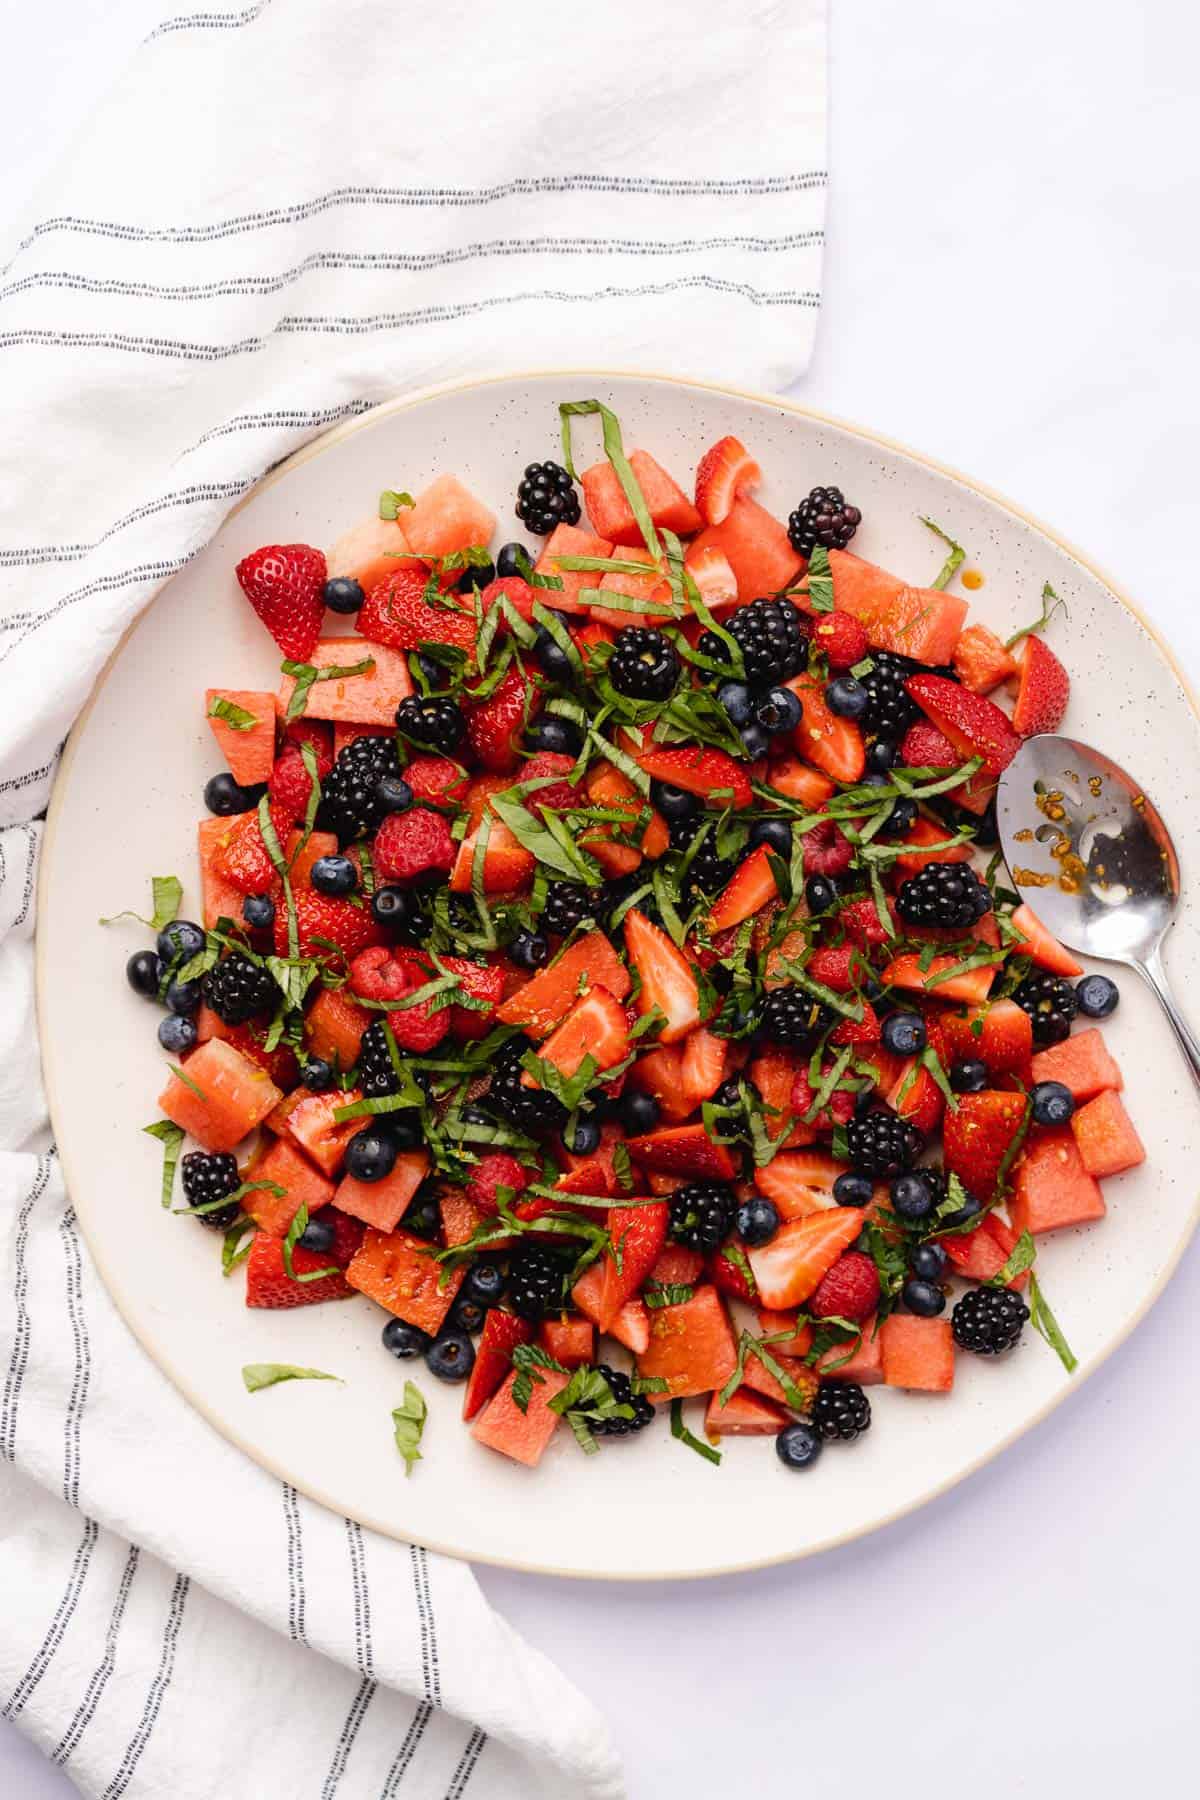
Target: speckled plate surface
{"type": "Point", "coordinates": [645, 1509]}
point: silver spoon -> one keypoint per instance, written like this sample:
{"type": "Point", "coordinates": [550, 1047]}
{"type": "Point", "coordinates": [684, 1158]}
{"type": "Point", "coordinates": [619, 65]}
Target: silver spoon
{"type": "Point", "coordinates": [1105, 876]}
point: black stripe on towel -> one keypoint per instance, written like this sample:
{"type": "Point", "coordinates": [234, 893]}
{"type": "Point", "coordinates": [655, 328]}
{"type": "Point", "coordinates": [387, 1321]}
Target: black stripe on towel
{"type": "Point", "coordinates": [155, 1694]}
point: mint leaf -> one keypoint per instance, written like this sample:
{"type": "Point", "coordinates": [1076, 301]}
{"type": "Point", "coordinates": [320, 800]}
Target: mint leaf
{"type": "Point", "coordinates": [166, 891]}
{"type": "Point", "coordinates": [954, 560]}
{"type": "Point", "coordinates": [1047, 1326]}
{"type": "Point", "coordinates": [235, 1245]}
{"type": "Point", "coordinates": [236, 717]}
{"type": "Point", "coordinates": [171, 1137]}
{"type": "Point", "coordinates": [819, 585]}
{"type": "Point", "coordinates": [680, 1431]}
{"type": "Point", "coordinates": [1019, 1259]}
{"type": "Point", "coordinates": [614, 449]}
{"type": "Point", "coordinates": [659, 1293]}
{"type": "Point", "coordinates": [1050, 605]}
{"type": "Point", "coordinates": [306, 675]}
{"type": "Point", "coordinates": [408, 1423]}
{"type": "Point", "coordinates": [264, 1375]}
{"type": "Point", "coordinates": [540, 839]}
{"type": "Point", "coordinates": [390, 502]}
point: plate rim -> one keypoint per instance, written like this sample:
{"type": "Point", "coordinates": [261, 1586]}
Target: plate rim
{"type": "Point", "coordinates": [106, 1267]}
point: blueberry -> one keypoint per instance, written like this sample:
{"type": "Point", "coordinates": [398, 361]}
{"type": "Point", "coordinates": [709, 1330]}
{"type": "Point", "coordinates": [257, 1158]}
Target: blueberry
{"type": "Point", "coordinates": [224, 796]}
{"type": "Point", "coordinates": [485, 1282]}
{"type": "Point", "coordinates": [911, 1196]}
{"type": "Point", "coordinates": [778, 710]}
{"type": "Point", "coordinates": [848, 698]}
{"type": "Point", "coordinates": [552, 733]}
{"type": "Point", "coordinates": [180, 938]}
{"type": "Point", "coordinates": [395, 906]}
{"type": "Point", "coordinates": [475, 1115]}
{"type": "Point", "coordinates": [923, 1298]}
{"type": "Point", "coordinates": [901, 819]}
{"type": "Point", "coordinates": [436, 674]}
{"type": "Point", "coordinates": [529, 950]}
{"type": "Point", "coordinates": [403, 1339]}
{"type": "Point", "coordinates": [467, 1315]}
{"type": "Point", "coordinates": [756, 1221]}
{"type": "Point", "coordinates": [405, 1130]}
{"type": "Point", "coordinates": [1053, 1103]}
{"type": "Point", "coordinates": [143, 972]}
{"type": "Point", "coordinates": [673, 803]}
{"type": "Point", "coordinates": [968, 1210]}
{"type": "Point", "coordinates": [182, 997]}
{"type": "Point", "coordinates": [451, 1357]}
{"type": "Point", "coordinates": [371, 1154]}
{"type": "Point", "coordinates": [334, 875]}
{"type": "Point", "coordinates": [584, 1139]}
{"type": "Point", "coordinates": [177, 1035]}
{"type": "Point", "coordinates": [553, 660]}
{"type": "Point", "coordinates": [777, 833]}
{"type": "Point", "coordinates": [424, 1217]}
{"type": "Point", "coordinates": [851, 1189]}
{"type": "Point", "coordinates": [904, 1034]}
{"type": "Point", "coordinates": [258, 910]}
{"type": "Point", "coordinates": [882, 755]}
{"type": "Point", "coordinates": [754, 740]}
{"type": "Point", "coordinates": [820, 893]}
{"type": "Point", "coordinates": [798, 1446]}
{"type": "Point", "coordinates": [343, 594]}
{"type": "Point", "coordinates": [928, 1262]}
{"type": "Point", "coordinates": [1097, 996]}
{"type": "Point", "coordinates": [639, 1112]}
{"type": "Point", "coordinates": [969, 1077]}
{"type": "Point", "coordinates": [476, 577]}
{"type": "Point", "coordinates": [317, 1075]}
{"type": "Point", "coordinates": [393, 793]}
{"type": "Point", "coordinates": [737, 701]}
{"type": "Point", "coordinates": [317, 1235]}
{"type": "Point", "coordinates": [513, 559]}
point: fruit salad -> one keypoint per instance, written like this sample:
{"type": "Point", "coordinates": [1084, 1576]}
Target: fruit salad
{"type": "Point", "coordinates": [605, 969]}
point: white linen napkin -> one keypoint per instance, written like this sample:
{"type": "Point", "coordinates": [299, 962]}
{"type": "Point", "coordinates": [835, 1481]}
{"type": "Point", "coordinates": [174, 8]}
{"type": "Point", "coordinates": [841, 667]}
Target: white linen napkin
{"type": "Point", "coordinates": [279, 216]}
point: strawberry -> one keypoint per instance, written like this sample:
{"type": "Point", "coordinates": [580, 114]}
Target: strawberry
{"type": "Point", "coordinates": [350, 927]}
{"type": "Point", "coordinates": [822, 738]}
{"type": "Point", "coordinates": [316, 732]}
{"type": "Point", "coordinates": [668, 980]}
{"type": "Point", "coordinates": [726, 470]}
{"type": "Point", "coordinates": [683, 1150]}
{"type": "Point", "coordinates": [977, 1137]}
{"type": "Point", "coordinates": [519, 594]}
{"type": "Point", "coordinates": [497, 1170]}
{"type": "Point", "coordinates": [285, 584]}
{"type": "Point", "coordinates": [269, 1284]}
{"type": "Point", "coordinates": [980, 660]}
{"type": "Point", "coordinates": [702, 1066]}
{"type": "Point", "coordinates": [280, 1064]}
{"type": "Point", "coordinates": [916, 1096]}
{"type": "Point", "coordinates": [925, 747]}
{"type": "Point", "coordinates": [790, 1267]}
{"type": "Point", "coordinates": [725, 1274]}
{"type": "Point", "coordinates": [595, 1026]}
{"type": "Point", "coordinates": [752, 887]}
{"type": "Point", "coordinates": [858, 1031]}
{"type": "Point", "coordinates": [502, 1332]}
{"type": "Point", "coordinates": [396, 613]}
{"type": "Point", "coordinates": [638, 1234]}
{"type": "Point", "coordinates": [842, 637]}
{"type": "Point", "coordinates": [839, 1109]}
{"type": "Point", "coordinates": [495, 724]}
{"type": "Point", "coordinates": [241, 855]}
{"type": "Point", "coordinates": [838, 966]}
{"type": "Point", "coordinates": [414, 844]}
{"type": "Point", "coordinates": [973, 724]}
{"type": "Point", "coordinates": [1041, 945]}
{"type": "Point", "coordinates": [850, 1290]}
{"type": "Point", "coordinates": [860, 920]}
{"type": "Point", "coordinates": [482, 981]}
{"type": "Point", "coordinates": [712, 572]}
{"type": "Point", "coordinates": [290, 786]}
{"type": "Point", "coordinates": [826, 850]}
{"type": "Point", "coordinates": [438, 780]}
{"type": "Point", "coordinates": [507, 865]}
{"type": "Point", "coordinates": [999, 1034]}
{"type": "Point", "coordinates": [560, 796]}
{"type": "Point", "coordinates": [710, 773]}
{"type": "Point", "coordinates": [381, 973]}
{"type": "Point", "coordinates": [1043, 692]}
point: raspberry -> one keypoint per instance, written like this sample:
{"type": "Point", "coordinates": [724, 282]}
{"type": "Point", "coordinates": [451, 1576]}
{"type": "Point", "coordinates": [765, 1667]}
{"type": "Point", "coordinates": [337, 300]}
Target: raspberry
{"type": "Point", "coordinates": [826, 850]}
{"type": "Point", "coordinates": [410, 845]}
{"type": "Point", "coordinates": [838, 1110]}
{"type": "Point", "coordinates": [842, 638]}
{"type": "Point", "coordinates": [861, 922]}
{"type": "Point", "coordinates": [493, 1172]}
{"type": "Point", "coordinates": [850, 1290]}
{"type": "Point", "coordinates": [379, 974]}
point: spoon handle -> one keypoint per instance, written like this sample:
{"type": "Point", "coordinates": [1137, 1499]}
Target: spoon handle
{"type": "Point", "coordinates": [1155, 976]}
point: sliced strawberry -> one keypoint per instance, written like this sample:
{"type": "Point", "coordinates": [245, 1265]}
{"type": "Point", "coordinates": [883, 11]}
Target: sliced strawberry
{"type": "Point", "coordinates": [1042, 946]}
{"type": "Point", "coordinates": [595, 1027]}
{"type": "Point", "coordinates": [285, 584]}
{"type": "Point", "coordinates": [926, 843]}
{"type": "Point", "coordinates": [794, 778]}
{"type": "Point", "coordinates": [1043, 690]}
{"type": "Point", "coordinates": [726, 470]}
{"type": "Point", "coordinates": [507, 865]}
{"type": "Point", "coordinates": [712, 774]}
{"type": "Point", "coordinates": [638, 1234]}
{"type": "Point", "coordinates": [494, 725]}
{"type": "Point", "coordinates": [744, 1414]}
{"type": "Point", "coordinates": [726, 1274]}
{"type": "Point", "coordinates": [668, 980]}
{"type": "Point", "coordinates": [842, 637]}
{"type": "Point", "coordinates": [860, 920]}
{"type": "Point", "coordinates": [980, 660]}
{"type": "Point", "coordinates": [977, 1137]}
{"type": "Point", "coordinates": [773, 1073]}
{"type": "Point", "coordinates": [659, 1072]}
{"type": "Point", "coordinates": [482, 981]}
{"type": "Point", "coordinates": [999, 1034]}
{"type": "Point", "coordinates": [677, 1266]}
{"type": "Point", "coordinates": [831, 743]}
{"type": "Point", "coordinates": [268, 1283]}
{"type": "Point", "coordinates": [915, 1095]}
{"type": "Point", "coordinates": [827, 851]}
{"type": "Point", "coordinates": [866, 1030]}
{"type": "Point", "coordinates": [241, 857]}
{"type": "Point", "coordinates": [974, 725]}
{"type": "Point", "coordinates": [972, 985]}
{"type": "Point", "coordinates": [395, 613]}
{"type": "Point", "coordinates": [751, 888]}
{"type": "Point", "coordinates": [978, 1255]}
{"type": "Point", "coordinates": [712, 572]}
{"type": "Point", "coordinates": [849, 1290]}
{"type": "Point", "coordinates": [925, 747]}
{"type": "Point", "coordinates": [502, 1332]}
{"type": "Point", "coordinates": [702, 1066]}
{"type": "Point", "coordinates": [841, 967]}
{"type": "Point", "coordinates": [438, 780]}
{"type": "Point", "coordinates": [790, 1267]}
{"type": "Point", "coordinates": [316, 732]}
{"type": "Point", "coordinates": [683, 1150]}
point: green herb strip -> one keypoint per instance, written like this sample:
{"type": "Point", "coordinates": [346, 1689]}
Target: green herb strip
{"type": "Point", "coordinates": [408, 1425]}
{"type": "Point", "coordinates": [257, 1376]}
{"type": "Point", "coordinates": [680, 1432]}
{"type": "Point", "coordinates": [171, 1137]}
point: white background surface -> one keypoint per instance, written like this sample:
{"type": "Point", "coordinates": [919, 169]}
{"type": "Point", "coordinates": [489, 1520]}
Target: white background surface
{"type": "Point", "coordinates": [1013, 286]}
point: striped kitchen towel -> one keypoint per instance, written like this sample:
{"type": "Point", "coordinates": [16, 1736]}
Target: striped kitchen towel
{"type": "Point", "coordinates": [280, 215]}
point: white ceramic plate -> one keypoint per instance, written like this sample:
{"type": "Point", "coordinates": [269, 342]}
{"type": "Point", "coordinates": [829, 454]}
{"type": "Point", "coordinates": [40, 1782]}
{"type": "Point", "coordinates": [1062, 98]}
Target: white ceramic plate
{"type": "Point", "coordinates": [125, 807]}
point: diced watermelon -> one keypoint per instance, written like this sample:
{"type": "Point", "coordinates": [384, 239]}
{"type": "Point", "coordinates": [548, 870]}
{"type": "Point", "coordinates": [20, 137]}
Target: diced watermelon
{"type": "Point", "coordinates": [461, 1218]}
{"type": "Point", "coordinates": [569, 1341]}
{"type": "Point", "coordinates": [917, 1353]}
{"type": "Point", "coordinates": [971, 985]}
{"type": "Point", "coordinates": [219, 897]}
{"type": "Point", "coordinates": [1042, 945]}
{"type": "Point", "coordinates": [924, 844]}
{"type": "Point", "coordinates": [771, 1324]}
{"type": "Point", "coordinates": [302, 1184]}
{"type": "Point", "coordinates": [677, 1266]}
{"type": "Point", "coordinates": [223, 1098]}
{"type": "Point", "coordinates": [311, 1124]}
{"type": "Point", "coordinates": [302, 857]}
{"type": "Point", "coordinates": [368, 699]}
{"type": "Point", "coordinates": [756, 544]}
{"type": "Point", "coordinates": [980, 660]}
{"type": "Point", "coordinates": [919, 622]}
{"type": "Point", "coordinates": [691, 1346]}
{"type": "Point", "coordinates": [1108, 1143]}
{"type": "Point", "coordinates": [399, 1273]}
{"type": "Point", "coordinates": [683, 1150]}
{"type": "Point", "coordinates": [446, 518]}
{"type": "Point", "coordinates": [384, 1203]}
{"type": "Point", "coordinates": [1052, 1188]}
{"type": "Point", "coordinates": [611, 514]}
{"type": "Point", "coordinates": [794, 778]}
{"type": "Point", "coordinates": [978, 1255]}
{"type": "Point", "coordinates": [570, 540]}
{"type": "Point", "coordinates": [545, 1001]}
{"type": "Point", "coordinates": [745, 1414]}
{"type": "Point", "coordinates": [502, 1332]}
{"type": "Point", "coordinates": [523, 1436]}
{"type": "Point", "coordinates": [1082, 1063]}
{"type": "Point", "coordinates": [249, 751]}
{"type": "Point", "coordinates": [369, 551]}
{"type": "Point", "coordinates": [866, 1364]}
{"type": "Point", "coordinates": [333, 1027]}
{"type": "Point", "coordinates": [756, 1375]}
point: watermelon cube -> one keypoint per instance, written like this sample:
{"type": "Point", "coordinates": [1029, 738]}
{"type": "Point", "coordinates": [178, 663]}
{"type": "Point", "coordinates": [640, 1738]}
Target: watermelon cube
{"type": "Point", "coordinates": [398, 1272]}
{"type": "Point", "coordinates": [756, 545]}
{"type": "Point", "coordinates": [302, 1184]}
{"type": "Point", "coordinates": [1082, 1063]}
{"type": "Point", "coordinates": [384, 1203]}
{"type": "Point", "coordinates": [369, 551]}
{"type": "Point", "coordinates": [461, 1218]}
{"type": "Point", "coordinates": [1053, 1189]}
{"type": "Point", "coordinates": [368, 699]}
{"type": "Point", "coordinates": [447, 517]}
{"type": "Point", "coordinates": [249, 750]}
{"type": "Point", "coordinates": [919, 622]}
{"type": "Point", "coordinates": [1108, 1143]}
{"type": "Point", "coordinates": [570, 540]}
{"type": "Point", "coordinates": [756, 1375]}
{"type": "Point", "coordinates": [310, 1123]}
{"type": "Point", "coordinates": [223, 1098]}
{"type": "Point", "coordinates": [691, 1346]}
{"type": "Point", "coordinates": [523, 1436]}
{"type": "Point", "coordinates": [611, 514]}
{"type": "Point", "coordinates": [320, 843]}
{"type": "Point", "coordinates": [866, 1364]}
{"type": "Point", "coordinates": [568, 1341]}
{"type": "Point", "coordinates": [333, 1027]}
{"type": "Point", "coordinates": [917, 1353]}
{"type": "Point", "coordinates": [745, 1414]}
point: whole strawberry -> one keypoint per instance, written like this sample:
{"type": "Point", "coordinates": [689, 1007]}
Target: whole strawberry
{"type": "Point", "coordinates": [850, 1290]}
{"type": "Point", "coordinates": [290, 786]}
{"type": "Point", "coordinates": [412, 845]}
{"type": "Point", "coordinates": [843, 639]}
{"type": "Point", "coordinates": [285, 584]}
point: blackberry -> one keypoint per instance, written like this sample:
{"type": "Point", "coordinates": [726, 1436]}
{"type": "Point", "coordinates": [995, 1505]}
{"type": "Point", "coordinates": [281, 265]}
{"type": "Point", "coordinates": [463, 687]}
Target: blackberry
{"type": "Point", "coordinates": [1051, 1003]}
{"type": "Point", "coordinates": [210, 1177]}
{"type": "Point", "coordinates": [729, 1092]}
{"type": "Point", "coordinates": [621, 1389]}
{"type": "Point", "coordinates": [376, 1076]}
{"type": "Point", "coordinates": [949, 895]}
{"type": "Point", "coordinates": [891, 710]}
{"type": "Point", "coordinates": [536, 1282]}
{"type": "Point", "coordinates": [882, 1143]}
{"type": "Point", "coordinates": [350, 805]}
{"type": "Point", "coordinates": [702, 1214]}
{"type": "Point", "coordinates": [841, 1410]}
{"type": "Point", "coordinates": [771, 638]}
{"type": "Point", "coordinates": [528, 1108]}
{"type": "Point", "coordinates": [707, 872]}
{"type": "Point", "coordinates": [432, 720]}
{"type": "Point", "coordinates": [546, 497]}
{"type": "Point", "coordinates": [236, 989]}
{"type": "Point", "coordinates": [567, 905]}
{"type": "Point", "coordinates": [988, 1320]}
{"type": "Point", "coordinates": [792, 1017]}
{"type": "Point", "coordinates": [822, 517]}
{"type": "Point", "coordinates": [644, 664]}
